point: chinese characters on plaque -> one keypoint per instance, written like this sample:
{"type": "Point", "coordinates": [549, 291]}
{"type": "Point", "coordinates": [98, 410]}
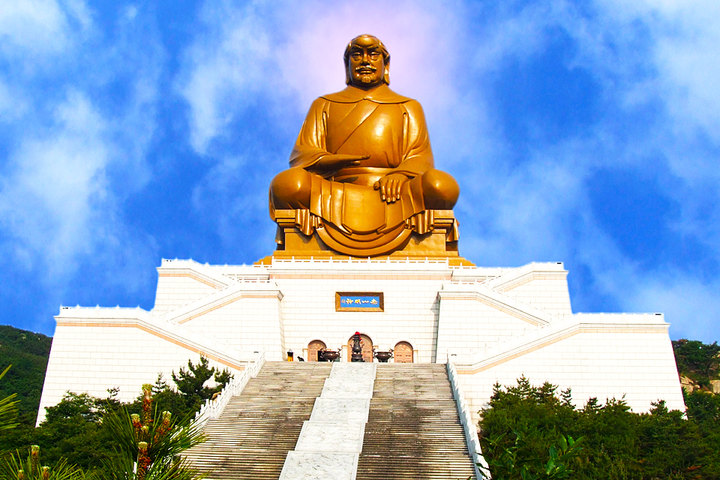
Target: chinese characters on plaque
{"type": "Point", "coordinates": [359, 302]}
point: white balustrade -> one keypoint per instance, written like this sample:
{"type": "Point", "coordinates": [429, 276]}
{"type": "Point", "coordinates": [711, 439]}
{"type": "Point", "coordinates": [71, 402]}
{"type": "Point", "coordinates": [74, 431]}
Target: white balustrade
{"type": "Point", "coordinates": [214, 407]}
{"type": "Point", "coordinates": [471, 437]}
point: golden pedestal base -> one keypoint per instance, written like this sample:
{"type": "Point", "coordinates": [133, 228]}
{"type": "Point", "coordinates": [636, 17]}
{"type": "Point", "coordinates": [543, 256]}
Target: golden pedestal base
{"type": "Point", "coordinates": [291, 242]}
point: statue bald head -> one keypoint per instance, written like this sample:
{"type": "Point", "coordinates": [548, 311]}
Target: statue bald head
{"type": "Point", "coordinates": [367, 62]}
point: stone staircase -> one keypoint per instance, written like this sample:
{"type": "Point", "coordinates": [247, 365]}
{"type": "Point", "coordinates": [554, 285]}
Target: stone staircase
{"type": "Point", "coordinates": [256, 430]}
{"type": "Point", "coordinates": [413, 430]}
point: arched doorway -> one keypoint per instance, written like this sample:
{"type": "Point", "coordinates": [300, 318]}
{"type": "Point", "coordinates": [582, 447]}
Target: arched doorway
{"type": "Point", "coordinates": [313, 348]}
{"type": "Point", "coordinates": [403, 353]}
{"type": "Point", "coordinates": [367, 348]}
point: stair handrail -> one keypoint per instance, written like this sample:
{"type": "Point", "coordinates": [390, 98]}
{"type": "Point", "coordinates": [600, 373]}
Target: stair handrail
{"type": "Point", "coordinates": [471, 437]}
{"type": "Point", "coordinates": [213, 407]}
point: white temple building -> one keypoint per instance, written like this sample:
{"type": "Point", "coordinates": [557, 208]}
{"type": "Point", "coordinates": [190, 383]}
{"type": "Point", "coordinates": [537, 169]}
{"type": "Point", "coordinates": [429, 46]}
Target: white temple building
{"type": "Point", "coordinates": [494, 324]}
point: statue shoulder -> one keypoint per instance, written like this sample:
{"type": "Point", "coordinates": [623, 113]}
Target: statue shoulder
{"type": "Point", "coordinates": [413, 106]}
{"type": "Point", "coordinates": [414, 110]}
{"type": "Point", "coordinates": [381, 94]}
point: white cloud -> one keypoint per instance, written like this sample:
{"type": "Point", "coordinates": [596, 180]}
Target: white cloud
{"type": "Point", "coordinates": [12, 104]}
{"type": "Point", "coordinates": [59, 205]}
{"type": "Point", "coordinates": [689, 302]}
{"type": "Point", "coordinates": [661, 52]}
{"type": "Point", "coordinates": [226, 198]}
{"type": "Point", "coordinates": [225, 69]}
{"type": "Point", "coordinates": [691, 305]}
{"type": "Point", "coordinates": [77, 151]}
{"type": "Point", "coordinates": [283, 58]}
{"type": "Point", "coordinates": [49, 195]}
{"type": "Point", "coordinates": [40, 26]}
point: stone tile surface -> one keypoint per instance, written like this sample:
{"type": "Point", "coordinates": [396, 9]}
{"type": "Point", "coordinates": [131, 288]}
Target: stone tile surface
{"type": "Point", "coordinates": [331, 437]}
{"type": "Point", "coordinates": [340, 410]}
{"type": "Point", "coordinates": [319, 466]}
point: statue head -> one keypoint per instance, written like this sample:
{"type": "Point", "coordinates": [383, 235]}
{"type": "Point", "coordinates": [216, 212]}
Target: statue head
{"type": "Point", "coordinates": [367, 62]}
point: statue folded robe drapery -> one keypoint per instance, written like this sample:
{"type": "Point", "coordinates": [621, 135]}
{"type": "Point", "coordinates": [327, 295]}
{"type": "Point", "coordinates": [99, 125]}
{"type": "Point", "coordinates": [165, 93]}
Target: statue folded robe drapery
{"type": "Point", "coordinates": [390, 130]}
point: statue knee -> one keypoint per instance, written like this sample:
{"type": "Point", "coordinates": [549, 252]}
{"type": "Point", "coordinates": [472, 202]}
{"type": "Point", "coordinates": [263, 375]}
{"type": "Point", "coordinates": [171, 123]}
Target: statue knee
{"type": "Point", "coordinates": [440, 190]}
{"type": "Point", "coordinates": [291, 189]}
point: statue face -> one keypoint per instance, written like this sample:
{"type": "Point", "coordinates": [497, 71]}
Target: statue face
{"type": "Point", "coordinates": [366, 64]}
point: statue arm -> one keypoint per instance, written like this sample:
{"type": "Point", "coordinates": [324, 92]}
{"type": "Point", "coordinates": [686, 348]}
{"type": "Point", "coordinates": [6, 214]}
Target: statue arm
{"type": "Point", "coordinates": [417, 153]}
{"type": "Point", "coordinates": [310, 151]}
{"type": "Point", "coordinates": [310, 144]}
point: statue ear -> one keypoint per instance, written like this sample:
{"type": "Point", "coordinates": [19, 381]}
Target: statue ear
{"type": "Point", "coordinates": [347, 74]}
{"type": "Point", "coordinates": [386, 73]}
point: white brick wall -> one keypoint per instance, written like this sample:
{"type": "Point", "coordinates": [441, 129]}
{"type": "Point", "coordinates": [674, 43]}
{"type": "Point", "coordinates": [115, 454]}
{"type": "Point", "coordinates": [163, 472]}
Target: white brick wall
{"type": "Point", "coordinates": [90, 355]}
{"type": "Point", "coordinates": [498, 323]}
{"type": "Point", "coordinates": [602, 360]}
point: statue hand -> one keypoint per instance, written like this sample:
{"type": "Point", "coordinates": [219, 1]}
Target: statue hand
{"type": "Point", "coordinates": [390, 186]}
{"type": "Point", "coordinates": [333, 161]}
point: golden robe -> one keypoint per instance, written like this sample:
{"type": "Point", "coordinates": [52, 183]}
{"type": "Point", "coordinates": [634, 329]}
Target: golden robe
{"type": "Point", "coordinates": [387, 127]}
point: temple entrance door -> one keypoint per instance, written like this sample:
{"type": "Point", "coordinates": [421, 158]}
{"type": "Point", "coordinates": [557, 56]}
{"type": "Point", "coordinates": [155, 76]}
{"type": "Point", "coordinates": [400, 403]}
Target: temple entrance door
{"type": "Point", "coordinates": [313, 348]}
{"type": "Point", "coordinates": [366, 344]}
{"type": "Point", "coordinates": [403, 353]}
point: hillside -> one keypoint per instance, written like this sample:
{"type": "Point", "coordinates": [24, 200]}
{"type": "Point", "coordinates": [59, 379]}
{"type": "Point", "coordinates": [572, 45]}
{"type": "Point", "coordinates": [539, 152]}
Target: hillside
{"type": "Point", "coordinates": [28, 353]}
{"type": "Point", "coordinates": [698, 365]}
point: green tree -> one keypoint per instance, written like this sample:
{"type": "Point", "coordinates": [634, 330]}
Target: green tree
{"type": "Point", "coordinates": [28, 353]}
{"type": "Point", "coordinates": [504, 463]}
{"type": "Point", "coordinates": [523, 428]}
{"type": "Point", "coordinates": [73, 429]}
{"type": "Point", "coordinates": [15, 467]}
{"type": "Point", "coordinates": [191, 383]}
{"type": "Point", "coordinates": [670, 446]}
{"type": "Point", "coordinates": [524, 432]}
{"type": "Point", "coordinates": [697, 360]}
{"type": "Point", "coordinates": [8, 407]}
{"type": "Point", "coordinates": [166, 398]}
{"type": "Point", "coordinates": [703, 408]}
{"type": "Point", "coordinates": [149, 444]}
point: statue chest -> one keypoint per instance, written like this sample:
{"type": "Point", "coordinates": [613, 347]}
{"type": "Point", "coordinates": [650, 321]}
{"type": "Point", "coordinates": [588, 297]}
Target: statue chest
{"type": "Point", "coordinates": [366, 128]}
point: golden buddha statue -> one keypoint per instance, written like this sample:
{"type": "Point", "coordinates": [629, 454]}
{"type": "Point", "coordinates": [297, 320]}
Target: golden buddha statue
{"type": "Point", "coordinates": [361, 174]}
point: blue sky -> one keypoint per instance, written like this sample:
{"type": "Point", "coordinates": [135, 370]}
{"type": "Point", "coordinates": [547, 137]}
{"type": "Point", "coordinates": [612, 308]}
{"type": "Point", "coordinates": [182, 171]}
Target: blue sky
{"type": "Point", "coordinates": [584, 132]}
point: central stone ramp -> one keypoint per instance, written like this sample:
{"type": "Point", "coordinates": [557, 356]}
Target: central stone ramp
{"type": "Point", "coordinates": [330, 443]}
{"type": "Point", "coordinates": [413, 430]}
{"type": "Point", "coordinates": [258, 427]}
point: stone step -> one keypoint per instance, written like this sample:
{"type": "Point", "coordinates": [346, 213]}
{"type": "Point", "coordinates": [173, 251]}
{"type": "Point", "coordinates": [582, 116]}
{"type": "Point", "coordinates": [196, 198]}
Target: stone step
{"type": "Point", "coordinates": [413, 430]}
{"type": "Point", "coordinates": [258, 427]}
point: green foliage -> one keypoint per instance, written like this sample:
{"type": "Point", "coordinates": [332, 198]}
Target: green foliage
{"type": "Point", "coordinates": [523, 432]}
{"type": "Point", "coordinates": [15, 467]}
{"type": "Point", "coordinates": [8, 407]}
{"type": "Point", "coordinates": [28, 353]}
{"type": "Point", "coordinates": [76, 428]}
{"type": "Point", "coordinates": [527, 432]}
{"type": "Point", "coordinates": [507, 464]}
{"type": "Point", "coordinates": [698, 361]}
{"type": "Point", "coordinates": [703, 407]}
{"type": "Point", "coordinates": [73, 429]}
{"type": "Point", "coordinates": [111, 443]}
{"type": "Point", "coordinates": [192, 382]}
{"type": "Point", "coordinates": [152, 441]}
